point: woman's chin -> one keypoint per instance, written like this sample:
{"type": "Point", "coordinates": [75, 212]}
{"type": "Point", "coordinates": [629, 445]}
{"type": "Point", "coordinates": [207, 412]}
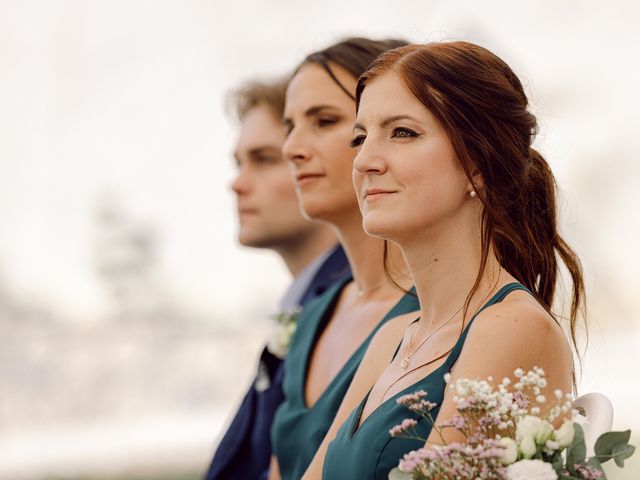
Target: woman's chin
{"type": "Point", "coordinates": [317, 212]}
{"type": "Point", "coordinates": [377, 228]}
{"type": "Point", "coordinates": [333, 211]}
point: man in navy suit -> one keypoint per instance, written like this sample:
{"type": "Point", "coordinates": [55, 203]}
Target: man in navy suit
{"type": "Point", "coordinates": [269, 217]}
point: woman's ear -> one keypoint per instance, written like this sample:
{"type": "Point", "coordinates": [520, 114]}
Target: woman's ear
{"type": "Point", "coordinates": [476, 184]}
{"type": "Point", "coordinates": [478, 181]}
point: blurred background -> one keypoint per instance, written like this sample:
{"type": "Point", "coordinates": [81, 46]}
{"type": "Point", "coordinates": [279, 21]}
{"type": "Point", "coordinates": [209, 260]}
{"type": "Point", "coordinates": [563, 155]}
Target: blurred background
{"type": "Point", "coordinates": [130, 320]}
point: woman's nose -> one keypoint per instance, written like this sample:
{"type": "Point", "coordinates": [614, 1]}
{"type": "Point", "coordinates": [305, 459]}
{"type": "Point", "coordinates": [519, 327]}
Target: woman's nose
{"type": "Point", "coordinates": [369, 159]}
{"type": "Point", "coordinates": [295, 148]}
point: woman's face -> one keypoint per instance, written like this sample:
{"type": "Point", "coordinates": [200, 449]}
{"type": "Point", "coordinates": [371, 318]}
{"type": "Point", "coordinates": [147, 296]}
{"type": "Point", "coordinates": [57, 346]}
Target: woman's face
{"type": "Point", "coordinates": [406, 174]}
{"type": "Point", "coordinates": [319, 118]}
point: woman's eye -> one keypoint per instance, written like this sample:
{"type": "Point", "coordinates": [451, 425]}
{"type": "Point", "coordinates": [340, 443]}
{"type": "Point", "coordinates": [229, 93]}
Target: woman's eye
{"type": "Point", "coordinates": [288, 128]}
{"type": "Point", "coordinates": [357, 141]}
{"type": "Point", "coordinates": [403, 132]}
{"type": "Point", "coordinates": [325, 122]}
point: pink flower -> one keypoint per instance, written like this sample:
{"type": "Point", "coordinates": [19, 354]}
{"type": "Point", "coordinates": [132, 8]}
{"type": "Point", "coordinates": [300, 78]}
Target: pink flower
{"type": "Point", "coordinates": [406, 425]}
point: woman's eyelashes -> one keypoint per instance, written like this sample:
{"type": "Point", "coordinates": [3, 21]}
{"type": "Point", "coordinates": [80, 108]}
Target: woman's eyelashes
{"type": "Point", "coordinates": [326, 121]}
{"type": "Point", "coordinates": [288, 127]}
{"type": "Point", "coordinates": [320, 122]}
{"type": "Point", "coordinates": [403, 132]}
{"type": "Point", "coordinates": [357, 141]}
{"type": "Point", "coordinates": [398, 132]}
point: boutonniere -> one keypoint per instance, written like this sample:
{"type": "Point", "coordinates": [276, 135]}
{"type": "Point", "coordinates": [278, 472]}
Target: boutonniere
{"type": "Point", "coordinates": [285, 324]}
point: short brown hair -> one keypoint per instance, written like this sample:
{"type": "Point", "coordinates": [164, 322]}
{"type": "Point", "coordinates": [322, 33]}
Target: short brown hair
{"type": "Point", "coordinates": [270, 94]}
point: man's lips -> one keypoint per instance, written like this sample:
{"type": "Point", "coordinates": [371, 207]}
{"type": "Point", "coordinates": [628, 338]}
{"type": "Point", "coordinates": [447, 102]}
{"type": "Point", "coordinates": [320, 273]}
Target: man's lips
{"type": "Point", "coordinates": [247, 211]}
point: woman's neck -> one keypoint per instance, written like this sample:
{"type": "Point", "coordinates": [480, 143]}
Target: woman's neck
{"type": "Point", "coordinates": [366, 258]}
{"type": "Point", "coordinates": [444, 265]}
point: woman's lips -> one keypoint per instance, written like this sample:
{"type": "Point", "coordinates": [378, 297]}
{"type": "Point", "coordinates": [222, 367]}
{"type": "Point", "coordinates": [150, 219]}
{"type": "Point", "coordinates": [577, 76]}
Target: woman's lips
{"type": "Point", "coordinates": [374, 194]}
{"type": "Point", "coordinates": [306, 178]}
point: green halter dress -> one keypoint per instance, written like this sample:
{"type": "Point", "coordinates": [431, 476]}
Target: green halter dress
{"type": "Point", "coordinates": [298, 430]}
{"type": "Point", "coordinates": [369, 452]}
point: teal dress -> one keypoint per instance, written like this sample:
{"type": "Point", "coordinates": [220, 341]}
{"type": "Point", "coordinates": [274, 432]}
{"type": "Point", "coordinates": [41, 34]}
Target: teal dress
{"type": "Point", "coordinates": [298, 431]}
{"type": "Point", "coordinates": [369, 452]}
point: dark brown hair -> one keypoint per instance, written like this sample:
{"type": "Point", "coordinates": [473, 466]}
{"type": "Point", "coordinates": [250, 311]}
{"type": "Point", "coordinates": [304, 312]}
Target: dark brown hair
{"type": "Point", "coordinates": [353, 54]}
{"type": "Point", "coordinates": [483, 108]}
{"type": "Point", "coordinates": [270, 94]}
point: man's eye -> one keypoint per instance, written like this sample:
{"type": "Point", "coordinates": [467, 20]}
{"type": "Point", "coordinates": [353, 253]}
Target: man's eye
{"type": "Point", "coordinates": [357, 141]}
{"type": "Point", "coordinates": [403, 132]}
{"type": "Point", "coordinates": [267, 159]}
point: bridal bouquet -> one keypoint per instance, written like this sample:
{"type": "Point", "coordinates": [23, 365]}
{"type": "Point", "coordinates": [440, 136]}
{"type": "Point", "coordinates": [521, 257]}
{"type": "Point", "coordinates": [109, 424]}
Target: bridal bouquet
{"type": "Point", "coordinates": [505, 435]}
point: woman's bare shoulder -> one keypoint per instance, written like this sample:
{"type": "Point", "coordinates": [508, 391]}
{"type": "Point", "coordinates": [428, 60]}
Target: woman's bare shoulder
{"type": "Point", "coordinates": [518, 317]}
{"type": "Point", "coordinates": [516, 333]}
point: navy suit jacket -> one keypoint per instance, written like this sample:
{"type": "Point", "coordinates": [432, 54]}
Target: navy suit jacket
{"type": "Point", "coordinates": [245, 450]}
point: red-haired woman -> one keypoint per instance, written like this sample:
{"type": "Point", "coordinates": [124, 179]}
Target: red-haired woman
{"type": "Point", "coordinates": [445, 169]}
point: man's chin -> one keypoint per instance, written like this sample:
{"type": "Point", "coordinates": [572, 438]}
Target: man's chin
{"type": "Point", "coordinates": [255, 240]}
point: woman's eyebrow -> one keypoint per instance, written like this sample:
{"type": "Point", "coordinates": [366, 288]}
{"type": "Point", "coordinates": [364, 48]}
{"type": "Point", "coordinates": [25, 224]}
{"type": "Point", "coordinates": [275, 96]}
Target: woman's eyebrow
{"type": "Point", "coordinates": [389, 120]}
{"type": "Point", "coordinates": [385, 122]}
{"type": "Point", "coordinates": [311, 111]}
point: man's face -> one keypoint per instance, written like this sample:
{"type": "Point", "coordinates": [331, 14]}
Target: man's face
{"type": "Point", "coordinates": [266, 201]}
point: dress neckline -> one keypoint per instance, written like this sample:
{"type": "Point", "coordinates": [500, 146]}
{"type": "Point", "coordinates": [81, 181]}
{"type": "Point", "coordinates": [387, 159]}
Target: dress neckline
{"type": "Point", "coordinates": [331, 306]}
{"type": "Point", "coordinates": [356, 425]}
{"type": "Point", "coordinates": [307, 358]}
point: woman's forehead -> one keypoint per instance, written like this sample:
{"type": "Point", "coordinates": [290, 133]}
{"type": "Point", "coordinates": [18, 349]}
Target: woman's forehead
{"type": "Point", "coordinates": [312, 84]}
{"type": "Point", "coordinates": [388, 95]}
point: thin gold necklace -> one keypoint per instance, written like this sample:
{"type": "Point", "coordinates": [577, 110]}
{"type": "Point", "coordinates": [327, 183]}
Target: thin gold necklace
{"type": "Point", "coordinates": [411, 371]}
{"type": "Point", "coordinates": [361, 292]}
{"type": "Point", "coordinates": [438, 357]}
{"type": "Point", "coordinates": [405, 362]}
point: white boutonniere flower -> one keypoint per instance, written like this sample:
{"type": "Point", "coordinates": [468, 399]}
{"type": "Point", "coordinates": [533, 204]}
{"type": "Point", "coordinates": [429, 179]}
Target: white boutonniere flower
{"type": "Point", "coordinates": [284, 328]}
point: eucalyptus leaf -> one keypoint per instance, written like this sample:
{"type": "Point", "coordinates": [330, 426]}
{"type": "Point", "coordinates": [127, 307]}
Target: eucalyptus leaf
{"type": "Point", "coordinates": [577, 450]}
{"type": "Point", "coordinates": [558, 462]}
{"type": "Point", "coordinates": [595, 463]}
{"type": "Point", "coordinates": [621, 452]}
{"type": "Point", "coordinates": [608, 441]}
{"type": "Point", "coordinates": [396, 474]}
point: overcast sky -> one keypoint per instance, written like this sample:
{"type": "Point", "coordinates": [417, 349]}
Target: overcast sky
{"type": "Point", "coordinates": [124, 99]}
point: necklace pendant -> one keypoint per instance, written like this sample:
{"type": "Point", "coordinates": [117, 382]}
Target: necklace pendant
{"type": "Point", "coordinates": [404, 363]}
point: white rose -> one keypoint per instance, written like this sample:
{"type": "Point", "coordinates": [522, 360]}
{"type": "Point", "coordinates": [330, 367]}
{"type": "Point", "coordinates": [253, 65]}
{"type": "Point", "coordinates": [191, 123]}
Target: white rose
{"type": "Point", "coordinates": [535, 427]}
{"type": "Point", "coordinates": [564, 435]}
{"type": "Point", "coordinates": [531, 470]}
{"type": "Point", "coordinates": [552, 445]}
{"type": "Point", "coordinates": [527, 447]}
{"type": "Point", "coordinates": [544, 432]}
{"type": "Point", "coordinates": [510, 454]}
{"type": "Point", "coordinates": [527, 427]}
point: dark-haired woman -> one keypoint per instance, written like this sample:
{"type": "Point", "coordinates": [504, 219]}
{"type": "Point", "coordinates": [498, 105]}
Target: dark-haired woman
{"type": "Point", "coordinates": [445, 169]}
{"type": "Point", "coordinates": [336, 329]}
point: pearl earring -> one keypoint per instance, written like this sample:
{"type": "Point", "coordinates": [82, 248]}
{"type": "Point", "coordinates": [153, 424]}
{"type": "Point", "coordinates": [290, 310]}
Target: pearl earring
{"type": "Point", "coordinates": [472, 194]}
